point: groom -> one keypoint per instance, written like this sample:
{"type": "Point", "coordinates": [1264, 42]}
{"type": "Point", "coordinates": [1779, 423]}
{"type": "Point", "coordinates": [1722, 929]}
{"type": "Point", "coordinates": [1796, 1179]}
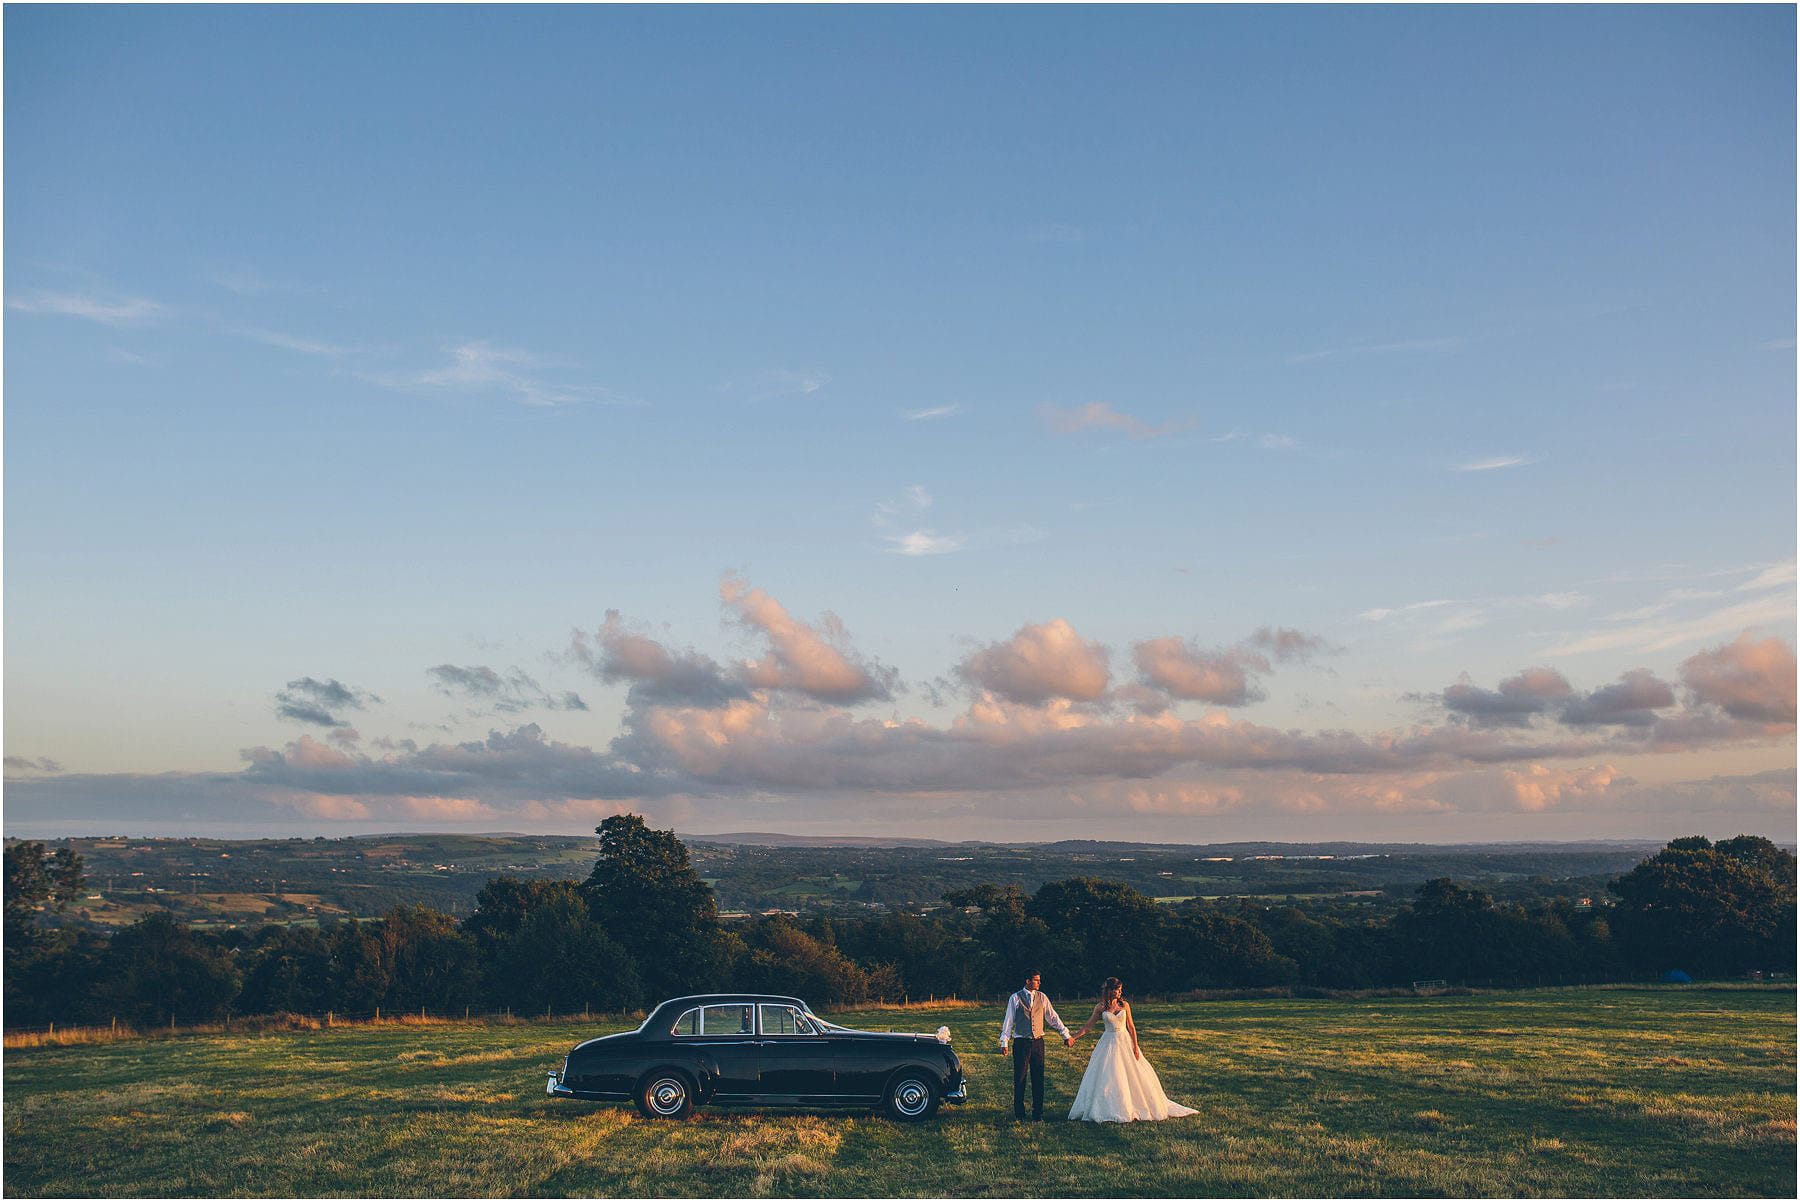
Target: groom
{"type": "Point", "coordinates": [1027, 1012]}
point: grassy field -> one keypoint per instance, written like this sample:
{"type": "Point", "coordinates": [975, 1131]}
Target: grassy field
{"type": "Point", "coordinates": [1601, 1092]}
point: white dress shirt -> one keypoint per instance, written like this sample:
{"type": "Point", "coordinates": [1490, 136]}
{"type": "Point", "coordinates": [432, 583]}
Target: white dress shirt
{"type": "Point", "coordinates": [1021, 1004]}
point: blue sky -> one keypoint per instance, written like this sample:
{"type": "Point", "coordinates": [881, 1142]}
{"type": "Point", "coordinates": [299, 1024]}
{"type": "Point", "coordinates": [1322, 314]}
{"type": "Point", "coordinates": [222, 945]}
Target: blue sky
{"type": "Point", "coordinates": [343, 345]}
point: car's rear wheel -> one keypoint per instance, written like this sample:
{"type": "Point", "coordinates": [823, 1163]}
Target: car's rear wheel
{"type": "Point", "coordinates": [666, 1094]}
{"type": "Point", "coordinates": [910, 1097]}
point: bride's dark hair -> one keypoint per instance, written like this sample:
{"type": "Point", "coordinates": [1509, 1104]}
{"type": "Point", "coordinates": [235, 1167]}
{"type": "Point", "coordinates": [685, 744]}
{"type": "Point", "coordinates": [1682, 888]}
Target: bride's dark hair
{"type": "Point", "coordinates": [1111, 983]}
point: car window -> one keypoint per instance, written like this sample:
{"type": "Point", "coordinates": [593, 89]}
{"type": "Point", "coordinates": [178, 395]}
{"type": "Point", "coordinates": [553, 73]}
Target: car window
{"type": "Point", "coordinates": [687, 1024]}
{"type": "Point", "coordinates": [784, 1020]}
{"type": "Point", "coordinates": [727, 1020]}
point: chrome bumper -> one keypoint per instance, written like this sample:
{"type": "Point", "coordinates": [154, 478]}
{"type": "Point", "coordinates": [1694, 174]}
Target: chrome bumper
{"type": "Point", "coordinates": [556, 1088]}
{"type": "Point", "coordinates": [957, 1092]}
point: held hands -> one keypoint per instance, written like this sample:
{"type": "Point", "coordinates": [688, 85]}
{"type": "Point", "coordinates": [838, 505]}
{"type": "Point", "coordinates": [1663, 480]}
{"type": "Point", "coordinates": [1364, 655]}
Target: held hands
{"type": "Point", "coordinates": [1068, 1041]}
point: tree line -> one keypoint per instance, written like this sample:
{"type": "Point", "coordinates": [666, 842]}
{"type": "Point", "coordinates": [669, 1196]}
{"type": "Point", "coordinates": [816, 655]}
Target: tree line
{"type": "Point", "coordinates": [643, 926]}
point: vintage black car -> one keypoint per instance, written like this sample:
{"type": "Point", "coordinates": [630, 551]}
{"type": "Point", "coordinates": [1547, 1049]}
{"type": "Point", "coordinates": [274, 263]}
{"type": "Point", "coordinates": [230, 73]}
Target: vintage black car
{"type": "Point", "coordinates": [761, 1050]}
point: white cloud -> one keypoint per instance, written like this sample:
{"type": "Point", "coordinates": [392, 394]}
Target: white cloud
{"type": "Point", "coordinates": [927, 542]}
{"type": "Point", "coordinates": [290, 342]}
{"type": "Point", "coordinates": [110, 311]}
{"type": "Point", "coordinates": [1382, 615]}
{"type": "Point", "coordinates": [1569, 600]}
{"type": "Point", "coordinates": [1497, 463]}
{"type": "Point", "coordinates": [1661, 635]}
{"type": "Point", "coordinates": [528, 379]}
{"type": "Point", "coordinates": [787, 382]}
{"type": "Point", "coordinates": [1779, 576]}
{"type": "Point", "coordinates": [1383, 348]}
{"type": "Point", "coordinates": [1098, 415]}
{"type": "Point", "coordinates": [892, 517]}
{"type": "Point", "coordinates": [932, 414]}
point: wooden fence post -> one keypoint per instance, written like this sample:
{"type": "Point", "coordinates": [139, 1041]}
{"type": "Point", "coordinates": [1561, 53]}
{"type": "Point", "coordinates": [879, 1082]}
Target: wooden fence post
{"type": "Point", "coordinates": [378, 1014]}
{"type": "Point", "coordinates": [115, 1026]}
{"type": "Point", "coordinates": [53, 1030]}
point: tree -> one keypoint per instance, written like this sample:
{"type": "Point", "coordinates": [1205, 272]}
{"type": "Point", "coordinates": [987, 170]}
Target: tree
{"type": "Point", "coordinates": [1098, 929]}
{"type": "Point", "coordinates": [157, 970]}
{"type": "Point", "coordinates": [359, 978]}
{"type": "Point", "coordinates": [289, 969]}
{"type": "Point", "coordinates": [929, 958]}
{"type": "Point", "coordinates": [785, 959]}
{"type": "Point", "coordinates": [1210, 949]}
{"type": "Point", "coordinates": [36, 882]}
{"type": "Point", "coordinates": [646, 895]}
{"type": "Point", "coordinates": [1009, 942]}
{"type": "Point", "coordinates": [540, 947]}
{"type": "Point", "coordinates": [1447, 932]}
{"type": "Point", "coordinates": [1711, 910]}
{"type": "Point", "coordinates": [430, 964]}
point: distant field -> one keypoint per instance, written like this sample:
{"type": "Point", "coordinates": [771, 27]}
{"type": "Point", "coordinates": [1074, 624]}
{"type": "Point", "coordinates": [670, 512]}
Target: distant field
{"type": "Point", "coordinates": [367, 877]}
{"type": "Point", "coordinates": [1597, 1092]}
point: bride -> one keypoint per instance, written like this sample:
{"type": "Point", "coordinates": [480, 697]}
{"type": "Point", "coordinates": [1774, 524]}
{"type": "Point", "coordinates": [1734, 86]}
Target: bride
{"type": "Point", "coordinates": [1119, 1085]}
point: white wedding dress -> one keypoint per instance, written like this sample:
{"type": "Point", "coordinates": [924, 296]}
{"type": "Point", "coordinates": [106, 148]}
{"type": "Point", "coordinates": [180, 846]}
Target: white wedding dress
{"type": "Point", "coordinates": [1119, 1086]}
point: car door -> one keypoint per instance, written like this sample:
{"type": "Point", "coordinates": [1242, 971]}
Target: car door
{"type": "Point", "coordinates": [728, 1039]}
{"type": "Point", "coordinates": [796, 1055]}
{"type": "Point", "coordinates": [863, 1064]}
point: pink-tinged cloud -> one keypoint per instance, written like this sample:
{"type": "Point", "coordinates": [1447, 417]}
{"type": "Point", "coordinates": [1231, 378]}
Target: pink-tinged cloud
{"type": "Point", "coordinates": [1518, 699]}
{"type": "Point", "coordinates": [998, 745]}
{"type": "Point", "coordinates": [324, 805]}
{"type": "Point", "coordinates": [445, 809]}
{"type": "Point", "coordinates": [657, 675]}
{"type": "Point", "coordinates": [1748, 679]}
{"type": "Point", "coordinates": [1284, 644]}
{"type": "Point", "coordinates": [1183, 799]}
{"type": "Point", "coordinates": [1040, 663]}
{"type": "Point", "coordinates": [1633, 701]}
{"type": "Point", "coordinates": [1098, 415]}
{"type": "Point", "coordinates": [816, 661]}
{"type": "Point", "coordinates": [1535, 788]}
{"type": "Point", "coordinates": [1180, 669]}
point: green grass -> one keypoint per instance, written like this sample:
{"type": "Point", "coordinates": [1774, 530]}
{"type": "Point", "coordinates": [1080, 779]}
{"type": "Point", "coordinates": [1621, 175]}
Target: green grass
{"type": "Point", "coordinates": [1602, 1092]}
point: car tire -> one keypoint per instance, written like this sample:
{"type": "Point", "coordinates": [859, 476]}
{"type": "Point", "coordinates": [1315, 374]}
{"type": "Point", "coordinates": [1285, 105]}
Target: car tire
{"type": "Point", "coordinates": [910, 1097]}
{"type": "Point", "coordinates": [667, 1093]}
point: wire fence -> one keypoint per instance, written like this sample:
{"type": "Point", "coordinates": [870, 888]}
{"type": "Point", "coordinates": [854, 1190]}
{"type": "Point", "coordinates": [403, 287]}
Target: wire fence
{"type": "Point", "coordinates": [288, 1020]}
{"type": "Point", "coordinates": [325, 1020]}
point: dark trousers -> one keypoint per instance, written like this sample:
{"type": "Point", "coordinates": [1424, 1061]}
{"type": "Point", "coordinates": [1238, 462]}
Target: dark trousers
{"type": "Point", "coordinates": [1028, 1057]}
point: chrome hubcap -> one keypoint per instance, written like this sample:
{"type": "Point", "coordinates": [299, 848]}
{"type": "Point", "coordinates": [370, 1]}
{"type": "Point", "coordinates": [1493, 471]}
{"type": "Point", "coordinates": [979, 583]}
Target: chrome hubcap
{"type": "Point", "coordinates": [911, 1097]}
{"type": "Point", "coordinates": [667, 1096]}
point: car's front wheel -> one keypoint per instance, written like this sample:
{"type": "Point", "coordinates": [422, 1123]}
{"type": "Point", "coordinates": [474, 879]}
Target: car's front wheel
{"type": "Point", "coordinates": [910, 1097]}
{"type": "Point", "coordinates": [666, 1094]}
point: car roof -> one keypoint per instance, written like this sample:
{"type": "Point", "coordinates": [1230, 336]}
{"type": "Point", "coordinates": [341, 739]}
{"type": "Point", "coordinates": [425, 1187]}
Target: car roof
{"type": "Point", "coordinates": [732, 999]}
